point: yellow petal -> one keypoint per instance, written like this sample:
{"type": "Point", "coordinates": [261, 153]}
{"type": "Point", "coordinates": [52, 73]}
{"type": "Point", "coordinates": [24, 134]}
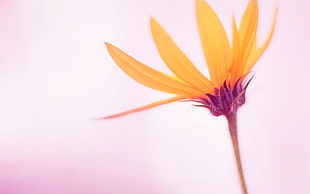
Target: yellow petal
{"type": "Point", "coordinates": [236, 58]}
{"type": "Point", "coordinates": [215, 43]}
{"type": "Point", "coordinates": [247, 32]}
{"type": "Point", "coordinates": [154, 104]}
{"type": "Point", "coordinates": [258, 52]}
{"type": "Point", "coordinates": [147, 75]}
{"type": "Point", "coordinates": [177, 61]}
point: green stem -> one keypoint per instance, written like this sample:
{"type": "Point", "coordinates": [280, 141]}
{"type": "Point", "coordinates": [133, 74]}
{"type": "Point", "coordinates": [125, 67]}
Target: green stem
{"type": "Point", "coordinates": [232, 124]}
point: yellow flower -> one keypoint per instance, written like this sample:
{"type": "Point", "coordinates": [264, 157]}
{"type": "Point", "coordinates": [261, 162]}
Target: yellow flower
{"type": "Point", "coordinates": [228, 64]}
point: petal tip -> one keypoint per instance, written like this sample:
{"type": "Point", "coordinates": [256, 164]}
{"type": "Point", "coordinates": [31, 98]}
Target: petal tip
{"type": "Point", "coordinates": [153, 23]}
{"type": "Point", "coordinates": [108, 45]}
{"type": "Point", "coordinates": [105, 118]}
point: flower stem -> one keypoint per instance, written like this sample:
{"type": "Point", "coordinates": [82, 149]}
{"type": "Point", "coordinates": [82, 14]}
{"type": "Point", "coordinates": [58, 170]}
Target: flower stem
{"type": "Point", "coordinates": [232, 124]}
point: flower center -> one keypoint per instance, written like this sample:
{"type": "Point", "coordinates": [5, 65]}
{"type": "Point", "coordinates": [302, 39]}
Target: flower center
{"type": "Point", "coordinates": [227, 99]}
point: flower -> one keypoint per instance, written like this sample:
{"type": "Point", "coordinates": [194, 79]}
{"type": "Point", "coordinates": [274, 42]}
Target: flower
{"type": "Point", "coordinates": [229, 64]}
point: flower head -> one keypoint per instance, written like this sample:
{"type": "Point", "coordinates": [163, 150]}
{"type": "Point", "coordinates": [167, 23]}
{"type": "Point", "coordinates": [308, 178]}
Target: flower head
{"type": "Point", "coordinates": [228, 64]}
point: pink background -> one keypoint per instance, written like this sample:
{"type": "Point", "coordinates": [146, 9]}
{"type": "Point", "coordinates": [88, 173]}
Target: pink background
{"type": "Point", "coordinates": [56, 77]}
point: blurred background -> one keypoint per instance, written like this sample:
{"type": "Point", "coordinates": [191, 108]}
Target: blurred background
{"type": "Point", "coordinates": [56, 78]}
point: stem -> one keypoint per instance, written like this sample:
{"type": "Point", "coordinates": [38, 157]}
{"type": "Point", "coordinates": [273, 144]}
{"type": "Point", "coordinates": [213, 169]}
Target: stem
{"type": "Point", "coordinates": [232, 124]}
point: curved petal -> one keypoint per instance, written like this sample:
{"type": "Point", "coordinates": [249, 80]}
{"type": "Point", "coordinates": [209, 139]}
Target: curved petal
{"type": "Point", "coordinates": [215, 43]}
{"type": "Point", "coordinates": [177, 61]}
{"type": "Point", "coordinates": [247, 32]}
{"type": "Point", "coordinates": [258, 52]}
{"type": "Point", "coordinates": [154, 104]}
{"type": "Point", "coordinates": [147, 75]}
{"type": "Point", "coordinates": [236, 54]}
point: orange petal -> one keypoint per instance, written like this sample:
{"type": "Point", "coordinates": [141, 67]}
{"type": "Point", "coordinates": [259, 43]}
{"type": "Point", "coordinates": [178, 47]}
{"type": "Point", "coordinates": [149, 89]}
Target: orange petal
{"type": "Point", "coordinates": [258, 52]}
{"type": "Point", "coordinates": [236, 60]}
{"type": "Point", "coordinates": [154, 104]}
{"type": "Point", "coordinates": [215, 43]}
{"type": "Point", "coordinates": [177, 61]}
{"type": "Point", "coordinates": [147, 75]}
{"type": "Point", "coordinates": [247, 32]}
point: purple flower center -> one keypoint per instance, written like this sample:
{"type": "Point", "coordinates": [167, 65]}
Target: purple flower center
{"type": "Point", "coordinates": [225, 100]}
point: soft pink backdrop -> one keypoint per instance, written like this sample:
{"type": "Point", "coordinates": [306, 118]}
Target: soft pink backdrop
{"type": "Point", "coordinates": [56, 77]}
